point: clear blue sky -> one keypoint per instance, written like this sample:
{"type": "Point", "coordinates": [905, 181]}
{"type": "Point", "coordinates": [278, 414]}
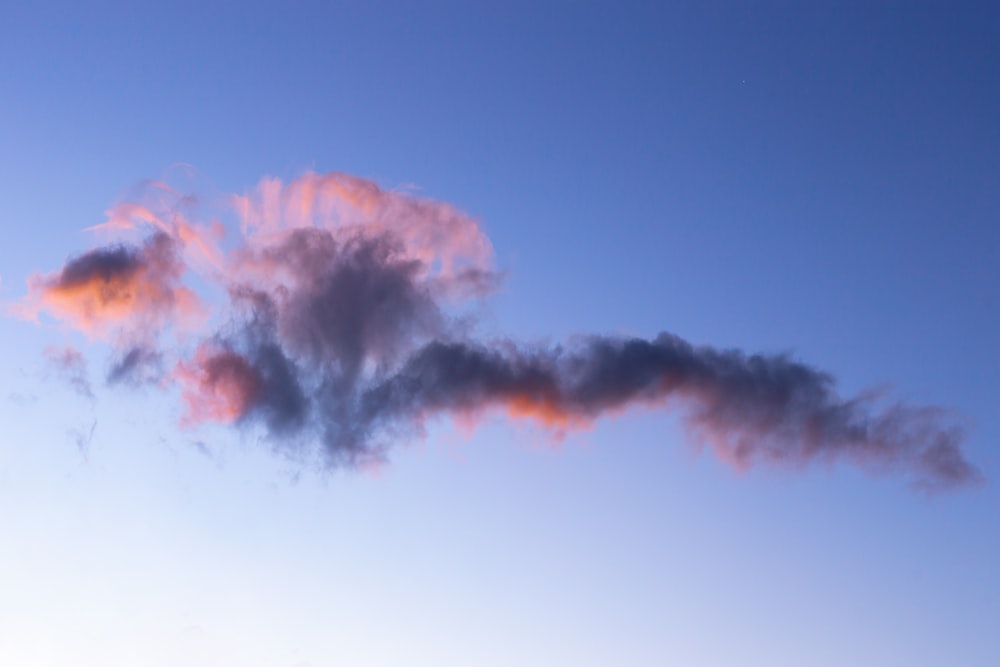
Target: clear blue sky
{"type": "Point", "coordinates": [813, 178]}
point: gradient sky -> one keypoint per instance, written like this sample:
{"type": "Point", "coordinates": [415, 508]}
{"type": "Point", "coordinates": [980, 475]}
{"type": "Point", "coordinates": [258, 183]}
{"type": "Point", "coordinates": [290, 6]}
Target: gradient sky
{"type": "Point", "coordinates": [818, 179]}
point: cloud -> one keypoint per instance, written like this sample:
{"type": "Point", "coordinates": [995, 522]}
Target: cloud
{"type": "Point", "coordinates": [69, 362]}
{"type": "Point", "coordinates": [333, 321]}
{"type": "Point", "coordinates": [750, 409]}
{"type": "Point", "coordinates": [441, 237]}
{"type": "Point", "coordinates": [120, 290]}
{"type": "Point", "coordinates": [218, 385]}
{"type": "Point", "coordinates": [82, 440]}
{"type": "Point", "coordinates": [136, 365]}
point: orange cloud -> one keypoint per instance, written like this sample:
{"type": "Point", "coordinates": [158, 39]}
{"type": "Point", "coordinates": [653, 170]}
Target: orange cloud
{"type": "Point", "coordinates": [123, 289]}
{"type": "Point", "coordinates": [217, 385]}
{"type": "Point", "coordinates": [547, 411]}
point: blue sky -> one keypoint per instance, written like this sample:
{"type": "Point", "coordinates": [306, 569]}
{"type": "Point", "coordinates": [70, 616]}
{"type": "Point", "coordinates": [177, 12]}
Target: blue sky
{"type": "Point", "coordinates": [818, 180]}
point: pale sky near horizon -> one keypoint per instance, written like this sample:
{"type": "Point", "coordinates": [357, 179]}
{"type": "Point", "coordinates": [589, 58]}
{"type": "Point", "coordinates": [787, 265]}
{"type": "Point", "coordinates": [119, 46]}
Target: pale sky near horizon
{"type": "Point", "coordinates": [812, 179]}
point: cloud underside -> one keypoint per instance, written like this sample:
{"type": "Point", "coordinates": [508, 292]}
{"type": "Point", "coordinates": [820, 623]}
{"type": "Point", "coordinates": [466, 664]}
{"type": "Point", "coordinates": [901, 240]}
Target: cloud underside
{"type": "Point", "coordinates": [337, 327]}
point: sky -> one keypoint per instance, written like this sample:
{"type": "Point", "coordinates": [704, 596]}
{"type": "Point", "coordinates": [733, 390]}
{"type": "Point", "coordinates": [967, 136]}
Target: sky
{"type": "Point", "coordinates": [499, 333]}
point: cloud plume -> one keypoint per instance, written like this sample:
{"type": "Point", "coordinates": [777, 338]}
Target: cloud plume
{"type": "Point", "coordinates": [333, 322]}
{"type": "Point", "coordinates": [750, 409]}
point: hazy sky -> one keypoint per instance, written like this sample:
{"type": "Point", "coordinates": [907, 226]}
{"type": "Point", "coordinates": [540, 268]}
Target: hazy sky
{"type": "Point", "coordinates": [496, 334]}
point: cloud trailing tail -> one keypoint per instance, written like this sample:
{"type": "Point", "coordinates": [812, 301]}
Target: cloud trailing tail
{"type": "Point", "coordinates": [330, 320]}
